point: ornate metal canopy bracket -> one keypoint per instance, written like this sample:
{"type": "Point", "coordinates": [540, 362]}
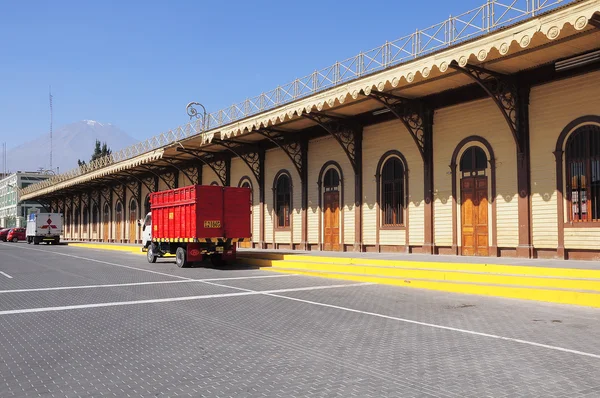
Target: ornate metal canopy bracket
{"type": "Point", "coordinates": [105, 193]}
{"type": "Point", "coordinates": [251, 158]}
{"type": "Point", "coordinates": [410, 113]}
{"type": "Point", "coordinates": [184, 171]}
{"type": "Point", "coordinates": [192, 174]}
{"type": "Point", "coordinates": [168, 182]}
{"type": "Point", "coordinates": [293, 149]}
{"type": "Point", "coordinates": [502, 90]}
{"type": "Point", "coordinates": [119, 191]}
{"type": "Point", "coordinates": [218, 165]}
{"type": "Point", "coordinates": [132, 186]}
{"type": "Point", "coordinates": [344, 131]}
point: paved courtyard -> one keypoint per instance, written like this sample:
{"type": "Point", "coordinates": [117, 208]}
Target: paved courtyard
{"type": "Point", "coordinates": [81, 322]}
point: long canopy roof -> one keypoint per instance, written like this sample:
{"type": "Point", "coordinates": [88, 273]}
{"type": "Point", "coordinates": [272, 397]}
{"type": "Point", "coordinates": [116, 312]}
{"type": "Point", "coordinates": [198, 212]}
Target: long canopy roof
{"type": "Point", "coordinates": [556, 34]}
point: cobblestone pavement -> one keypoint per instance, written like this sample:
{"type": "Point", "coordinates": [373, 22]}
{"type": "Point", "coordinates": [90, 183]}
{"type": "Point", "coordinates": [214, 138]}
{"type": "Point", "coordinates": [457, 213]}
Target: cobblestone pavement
{"type": "Point", "coordinates": [79, 322]}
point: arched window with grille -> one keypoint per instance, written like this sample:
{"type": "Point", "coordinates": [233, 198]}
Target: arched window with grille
{"type": "Point", "coordinates": [283, 200]}
{"type": "Point", "coordinates": [393, 191]}
{"type": "Point", "coordinates": [331, 181]}
{"type": "Point", "coordinates": [582, 161]}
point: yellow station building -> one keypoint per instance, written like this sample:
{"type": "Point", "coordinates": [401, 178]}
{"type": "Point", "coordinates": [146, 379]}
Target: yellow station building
{"type": "Point", "coordinates": [477, 136]}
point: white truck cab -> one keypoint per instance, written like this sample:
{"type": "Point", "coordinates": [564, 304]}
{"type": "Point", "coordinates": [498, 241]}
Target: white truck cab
{"type": "Point", "coordinates": [146, 225]}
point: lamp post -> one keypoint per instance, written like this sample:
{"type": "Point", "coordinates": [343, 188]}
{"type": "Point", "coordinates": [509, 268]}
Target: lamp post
{"type": "Point", "coordinates": [193, 112]}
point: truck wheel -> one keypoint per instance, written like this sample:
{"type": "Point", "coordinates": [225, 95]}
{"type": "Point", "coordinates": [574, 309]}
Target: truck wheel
{"type": "Point", "coordinates": [56, 241]}
{"type": "Point", "coordinates": [36, 241]}
{"type": "Point", "coordinates": [150, 256]}
{"type": "Point", "coordinates": [181, 257]}
{"type": "Point", "coordinates": [28, 240]}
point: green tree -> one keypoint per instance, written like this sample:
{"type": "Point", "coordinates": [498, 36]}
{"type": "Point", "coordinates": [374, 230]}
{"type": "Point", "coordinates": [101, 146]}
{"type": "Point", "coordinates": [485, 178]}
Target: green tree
{"type": "Point", "coordinates": [100, 150]}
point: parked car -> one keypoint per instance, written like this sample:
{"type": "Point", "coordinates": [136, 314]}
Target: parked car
{"type": "Point", "coordinates": [4, 234]}
{"type": "Point", "coordinates": [16, 234]}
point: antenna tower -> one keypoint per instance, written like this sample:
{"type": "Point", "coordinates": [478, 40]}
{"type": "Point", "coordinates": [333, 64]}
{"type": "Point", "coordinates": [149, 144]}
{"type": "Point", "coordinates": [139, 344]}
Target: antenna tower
{"type": "Point", "coordinates": [50, 97]}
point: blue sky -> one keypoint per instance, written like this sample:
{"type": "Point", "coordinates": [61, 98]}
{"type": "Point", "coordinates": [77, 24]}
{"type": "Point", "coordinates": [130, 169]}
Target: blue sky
{"type": "Point", "coordinates": [137, 64]}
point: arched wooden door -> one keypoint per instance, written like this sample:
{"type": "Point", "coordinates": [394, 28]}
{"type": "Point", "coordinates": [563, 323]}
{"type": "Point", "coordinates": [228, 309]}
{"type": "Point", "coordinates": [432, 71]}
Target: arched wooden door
{"type": "Point", "coordinates": [118, 222]}
{"type": "Point", "coordinates": [132, 221]}
{"type": "Point", "coordinates": [248, 244]}
{"type": "Point", "coordinates": [474, 203]}
{"type": "Point", "coordinates": [106, 226]}
{"type": "Point", "coordinates": [331, 211]}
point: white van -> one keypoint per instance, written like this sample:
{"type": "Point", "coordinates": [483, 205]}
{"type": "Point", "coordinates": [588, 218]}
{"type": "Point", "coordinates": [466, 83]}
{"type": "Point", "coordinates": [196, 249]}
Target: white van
{"type": "Point", "coordinates": [44, 227]}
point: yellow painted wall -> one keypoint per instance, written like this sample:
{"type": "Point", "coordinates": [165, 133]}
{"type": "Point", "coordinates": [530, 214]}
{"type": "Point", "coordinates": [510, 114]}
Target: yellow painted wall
{"type": "Point", "coordinates": [453, 124]}
{"type": "Point", "coordinates": [208, 176]}
{"type": "Point", "coordinates": [377, 140]}
{"type": "Point", "coordinates": [321, 151]}
{"type": "Point", "coordinates": [552, 107]}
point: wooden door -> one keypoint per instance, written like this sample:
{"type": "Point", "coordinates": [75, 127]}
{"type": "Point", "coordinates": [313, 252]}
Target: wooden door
{"type": "Point", "coordinates": [474, 212]}
{"type": "Point", "coordinates": [331, 221]}
{"type": "Point", "coordinates": [248, 243]}
{"type": "Point", "coordinates": [118, 225]}
{"type": "Point", "coordinates": [132, 221]}
{"type": "Point", "coordinates": [105, 229]}
{"type": "Point", "coordinates": [132, 226]}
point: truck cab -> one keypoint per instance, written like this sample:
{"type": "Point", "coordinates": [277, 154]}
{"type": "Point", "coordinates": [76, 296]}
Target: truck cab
{"type": "Point", "coordinates": [146, 225]}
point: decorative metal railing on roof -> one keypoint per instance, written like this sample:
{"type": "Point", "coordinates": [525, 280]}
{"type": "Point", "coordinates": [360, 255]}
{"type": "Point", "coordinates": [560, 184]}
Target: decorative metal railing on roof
{"type": "Point", "coordinates": [492, 15]}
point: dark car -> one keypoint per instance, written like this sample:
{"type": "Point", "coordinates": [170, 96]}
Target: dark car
{"type": "Point", "coordinates": [16, 234]}
{"type": "Point", "coordinates": [4, 234]}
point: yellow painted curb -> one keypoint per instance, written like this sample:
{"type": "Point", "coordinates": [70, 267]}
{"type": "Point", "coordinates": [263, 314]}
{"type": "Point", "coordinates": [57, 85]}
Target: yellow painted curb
{"type": "Point", "coordinates": [449, 276]}
{"type": "Point", "coordinates": [552, 296]}
{"type": "Point", "coordinates": [434, 265]}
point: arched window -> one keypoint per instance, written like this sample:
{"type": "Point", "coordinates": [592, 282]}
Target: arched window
{"type": "Point", "coordinates": [69, 219]}
{"type": "Point", "coordinates": [85, 216]}
{"type": "Point", "coordinates": [283, 200]}
{"type": "Point", "coordinates": [331, 181]}
{"type": "Point", "coordinates": [473, 162]}
{"type": "Point", "coordinates": [95, 217]}
{"type": "Point", "coordinates": [583, 174]}
{"type": "Point", "coordinates": [147, 205]}
{"type": "Point", "coordinates": [392, 192]}
{"type": "Point", "coordinates": [132, 206]}
{"type": "Point", "coordinates": [106, 212]}
{"type": "Point", "coordinates": [214, 183]}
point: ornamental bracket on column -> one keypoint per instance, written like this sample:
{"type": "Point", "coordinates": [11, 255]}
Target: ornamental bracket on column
{"type": "Point", "coordinates": [411, 113]}
{"type": "Point", "coordinates": [294, 149]}
{"type": "Point", "coordinates": [252, 157]}
{"type": "Point", "coordinates": [345, 131]}
{"type": "Point", "coordinates": [503, 90]}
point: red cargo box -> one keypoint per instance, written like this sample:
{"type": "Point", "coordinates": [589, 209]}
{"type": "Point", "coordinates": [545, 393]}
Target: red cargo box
{"type": "Point", "coordinates": [237, 212]}
{"type": "Point", "coordinates": [196, 212]}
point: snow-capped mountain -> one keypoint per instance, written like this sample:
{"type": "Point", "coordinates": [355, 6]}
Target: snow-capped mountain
{"type": "Point", "coordinates": [69, 143]}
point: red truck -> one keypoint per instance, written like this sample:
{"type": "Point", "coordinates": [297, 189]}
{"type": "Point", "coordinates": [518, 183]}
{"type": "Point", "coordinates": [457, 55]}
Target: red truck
{"type": "Point", "coordinates": [196, 222]}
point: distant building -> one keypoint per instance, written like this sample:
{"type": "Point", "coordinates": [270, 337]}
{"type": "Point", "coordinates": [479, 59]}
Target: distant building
{"type": "Point", "coordinates": [13, 213]}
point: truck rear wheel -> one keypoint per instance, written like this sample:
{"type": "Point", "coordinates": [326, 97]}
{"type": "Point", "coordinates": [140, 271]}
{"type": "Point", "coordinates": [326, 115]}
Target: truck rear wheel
{"type": "Point", "coordinates": [36, 241]}
{"type": "Point", "coordinates": [150, 254]}
{"type": "Point", "coordinates": [181, 257]}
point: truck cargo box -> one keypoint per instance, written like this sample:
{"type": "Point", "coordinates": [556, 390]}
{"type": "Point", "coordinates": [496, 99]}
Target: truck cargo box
{"type": "Point", "coordinates": [200, 212]}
